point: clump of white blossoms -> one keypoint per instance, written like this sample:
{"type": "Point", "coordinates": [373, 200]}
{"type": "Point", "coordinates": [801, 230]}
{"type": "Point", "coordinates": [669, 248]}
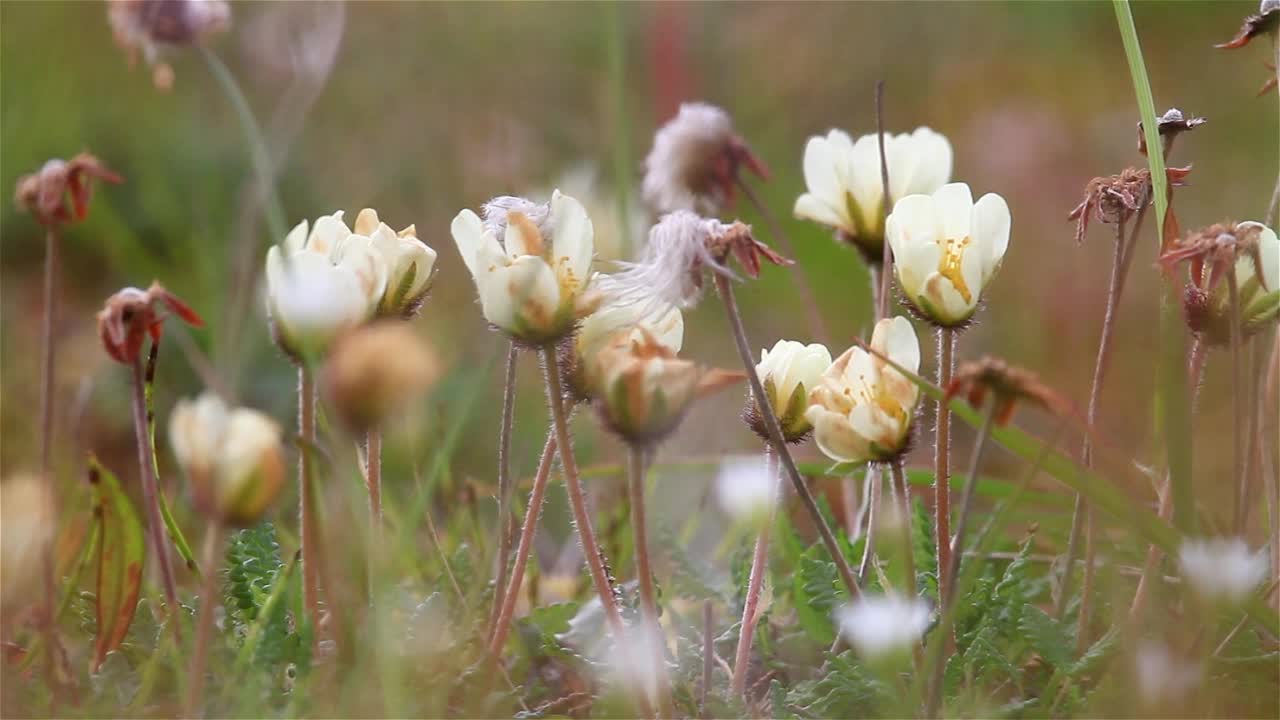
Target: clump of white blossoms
{"type": "Point", "coordinates": [845, 188]}
{"type": "Point", "coordinates": [881, 626]}
{"type": "Point", "coordinates": [232, 457]}
{"type": "Point", "coordinates": [862, 408]}
{"type": "Point", "coordinates": [532, 283]}
{"type": "Point", "coordinates": [320, 284]}
{"type": "Point", "coordinates": [1221, 569]}
{"type": "Point", "coordinates": [746, 488]}
{"type": "Point", "coordinates": [695, 161]}
{"type": "Point", "coordinates": [946, 249]}
{"type": "Point", "coordinates": [408, 260]}
{"type": "Point", "coordinates": [788, 372]}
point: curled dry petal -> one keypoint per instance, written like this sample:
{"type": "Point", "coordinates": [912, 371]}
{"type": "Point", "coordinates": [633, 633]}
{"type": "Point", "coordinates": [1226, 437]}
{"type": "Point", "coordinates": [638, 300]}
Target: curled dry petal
{"type": "Point", "coordinates": [60, 191]}
{"type": "Point", "coordinates": [131, 315]}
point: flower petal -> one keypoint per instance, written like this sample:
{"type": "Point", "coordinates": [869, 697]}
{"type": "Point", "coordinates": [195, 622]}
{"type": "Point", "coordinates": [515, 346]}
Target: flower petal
{"type": "Point", "coordinates": [469, 235]}
{"type": "Point", "coordinates": [954, 206]}
{"type": "Point", "coordinates": [811, 207]}
{"type": "Point", "coordinates": [572, 240]}
{"type": "Point", "coordinates": [990, 233]}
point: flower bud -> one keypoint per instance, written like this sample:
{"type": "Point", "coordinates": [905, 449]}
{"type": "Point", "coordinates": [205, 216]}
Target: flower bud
{"type": "Point", "coordinates": [408, 260]}
{"type": "Point", "coordinates": [231, 456]}
{"type": "Point", "coordinates": [789, 373]}
{"type": "Point", "coordinates": [377, 372]}
{"type": "Point", "coordinates": [26, 527]}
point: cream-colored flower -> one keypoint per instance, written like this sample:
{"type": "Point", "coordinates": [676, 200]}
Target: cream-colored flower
{"type": "Point", "coordinates": [946, 249]}
{"type": "Point", "coordinates": [1222, 569]}
{"type": "Point", "coordinates": [320, 284]}
{"type": "Point", "coordinates": [618, 321]}
{"type": "Point", "coordinates": [531, 286]}
{"type": "Point", "coordinates": [232, 456]}
{"type": "Point", "coordinates": [377, 372]}
{"type": "Point", "coordinates": [789, 373]}
{"type": "Point", "coordinates": [1259, 293]}
{"type": "Point", "coordinates": [862, 408]}
{"type": "Point", "coordinates": [845, 189]}
{"type": "Point", "coordinates": [408, 260]}
{"type": "Point", "coordinates": [27, 524]}
{"type": "Point", "coordinates": [883, 625]}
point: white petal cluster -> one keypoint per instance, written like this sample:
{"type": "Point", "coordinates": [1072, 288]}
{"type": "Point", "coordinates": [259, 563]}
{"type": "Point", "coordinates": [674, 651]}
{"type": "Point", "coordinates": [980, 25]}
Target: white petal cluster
{"type": "Point", "coordinates": [883, 625]}
{"type": "Point", "coordinates": [1222, 569]}
{"type": "Point", "coordinates": [946, 249]}
{"type": "Point", "coordinates": [789, 372]}
{"type": "Point", "coordinates": [408, 260]}
{"type": "Point", "coordinates": [531, 282]}
{"type": "Point", "coordinates": [746, 488]}
{"type": "Point", "coordinates": [845, 190]}
{"type": "Point", "coordinates": [681, 169]}
{"type": "Point", "coordinates": [862, 408]}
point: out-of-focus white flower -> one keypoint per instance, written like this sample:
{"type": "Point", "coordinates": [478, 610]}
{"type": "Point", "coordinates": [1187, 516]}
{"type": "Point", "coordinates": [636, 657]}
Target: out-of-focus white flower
{"type": "Point", "coordinates": [1164, 679]}
{"type": "Point", "coordinates": [532, 285]}
{"type": "Point", "coordinates": [747, 490]}
{"type": "Point", "coordinates": [376, 373]}
{"type": "Point", "coordinates": [27, 524]}
{"type": "Point", "coordinates": [789, 372]}
{"type": "Point", "coordinates": [878, 626]}
{"type": "Point", "coordinates": [862, 408]}
{"type": "Point", "coordinates": [1259, 291]}
{"type": "Point", "coordinates": [695, 162]}
{"type": "Point", "coordinates": [845, 189]}
{"type": "Point", "coordinates": [320, 284]}
{"type": "Point", "coordinates": [151, 26]}
{"type": "Point", "coordinates": [946, 249]}
{"type": "Point", "coordinates": [232, 456]}
{"type": "Point", "coordinates": [408, 260]}
{"type": "Point", "coordinates": [1221, 569]}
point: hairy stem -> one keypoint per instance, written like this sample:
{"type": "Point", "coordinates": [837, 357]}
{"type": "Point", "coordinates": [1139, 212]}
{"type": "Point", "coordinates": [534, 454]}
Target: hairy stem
{"type": "Point", "coordinates": [873, 518]}
{"type": "Point", "coordinates": [373, 475]}
{"type": "Point", "coordinates": [151, 496]}
{"type": "Point", "coordinates": [775, 436]}
{"type": "Point", "coordinates": [504, 484]}
{"type": "Point", "coordinates": [708, 657]}
{"type": "Point", "coordinates": [903, 497]}
{"type": "Point", "coordinates": [49, 349]}
{"type": "Point", "coordinates": [886, 263]}
{"type": "Point", "coordinates": [759, 567]}
{"type": "Point", "coordinates": [208, 603]}
{"type": "Point", "coordinates": [1241, 484]}
{"type": "Point", "coordinates": [942, 464]}
{"type": "Point", "coordinates": [644, 577]}
{"type": "Point", "coordinates": [306, 512]}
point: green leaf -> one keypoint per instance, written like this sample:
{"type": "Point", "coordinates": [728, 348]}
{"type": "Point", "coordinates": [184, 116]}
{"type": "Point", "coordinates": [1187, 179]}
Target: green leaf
{"type": "Point", "coordinates": [122, 553]}
{"type": "Point", "coordinates": [1046, 636]}
{"type": "Point", "coordinates": [814, 589]}
{"type": "Point", "coordinates": [1097, 655]}
{"type": "Point", "coordinates": [924, 549]}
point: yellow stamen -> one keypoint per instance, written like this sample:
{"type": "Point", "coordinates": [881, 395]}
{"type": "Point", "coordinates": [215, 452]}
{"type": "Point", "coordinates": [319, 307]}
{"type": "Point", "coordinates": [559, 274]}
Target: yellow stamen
{"type": "Point", "coordinates": [949, 266]}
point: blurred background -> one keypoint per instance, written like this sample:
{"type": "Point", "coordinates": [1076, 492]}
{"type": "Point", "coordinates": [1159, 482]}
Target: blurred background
{"type": "Point", "coordinates": [421, 109]}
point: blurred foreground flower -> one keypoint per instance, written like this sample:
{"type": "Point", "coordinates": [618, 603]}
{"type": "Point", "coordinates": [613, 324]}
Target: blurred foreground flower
{"type": "Point", "coordinates": [946, 249]}
{"type": "Point", "coordinates": [408, 260]}
{"type": "Point", "coordinates": [862, 408]}
{"type": "Point", "coordinates": [789, 372]}
{"type": "Point", "coordinates": [882, 626]}
{"type": "Point", "coordinates": [1248, 250]}
{"type": "Point", "coordinates": [320, 284]}
{"type": "Point", "coordinates": [533, 283]}
{"type": "Point", "coordinates": [845, 188]}
{"type": "Point", "coordinates": [695, 162]}
{"type": "Point", "coordinates": [1006, 385]}
{"type": "Point", "coordinates": [1222, 569]}
{"type": "Point", "coordinates": [59, 192]}
{"type": "Point", "coordinates": [377, 372]}
{"type": "Point", "coordinates": [746, 488]}
{"type": "Point", "coordinates": [131, 315]}
{"type": "Point", "coordinates": [231, 456]}
{"type": "Point", "coordinates": [26, 526]}
{"type": "Point", "coordinates": [152, 26]}
{"type": "Point", "coordinates": [1165, 679]}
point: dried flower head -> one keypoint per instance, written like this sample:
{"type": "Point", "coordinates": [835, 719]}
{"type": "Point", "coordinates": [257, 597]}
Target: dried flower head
{"type": "Point", "coordinates": [1171, 124]}
{"type": "Point", "coordinates": [1006, 385]}
{"type": "Point", "coordinates": [1250, 251]}
{"type": "Point", "coordinates": [377, 372]}
{"type": "Point", "coordinates": [59, 192]}
{"type": "Point", "coordinates": [150, 27]}
{"type": "Point", "coordinates": [1116, 198]}
{"type": "Point", "coordinates": [681, 247]}
{"type": "Point", "coordinates": [695, 162]}
{"type": "Point", "coordinates": [131, 315]}
{"type": "Point", "coordinates": [1266, 21]}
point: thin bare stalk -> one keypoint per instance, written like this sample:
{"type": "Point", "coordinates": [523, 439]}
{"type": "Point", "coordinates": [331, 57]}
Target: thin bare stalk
{"type": "Point", "coordinates": [1241, 484]}
{"type": "Point", "coordinates": [644, 577]}
{"type": "Point", "coordinates": [886, 263]}
{"type": "Point", "coordinates": [1275, 194]}
{"type": "Point", "coordinates": [759, 567]}
{"type": "Point", "coordinates": [942, 464]}
{"type": "Point", "coordinates": [873, 518]}
{"type": "Point", "coordinates": [306, 510]}
{"type": "Point", "coordinates": [208, 604]}
{"type": "Point", "coordinates": [151, 496]}
{"type": "Point", "coordinates": [708, 657]}
{"type": "Point", "coordinates": [903, 497]}
{"type": "Point", "coordinates": [504, 484]}
{"type": "Point", "coordinates": [775, 436]}
{"type": "Point", "coordinates": [813, 312]}
{"type": "Point", "coordinates": [49, 349]}
{"type": "Point", "coordinates": [373, 475]}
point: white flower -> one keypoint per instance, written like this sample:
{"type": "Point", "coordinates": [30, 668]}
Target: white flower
{"type": "Point", "coordinates": [746, 489]}
{"type": "Point", "coordinates": [862, 408]}
{"type": "Point", "coordinates": [621, 321]}
{"type": "Point", "coordinates": [408, 260]}
{"type": "Point", "coordinates": [320, 284]}
{"type": "Point", "coordinates": [881, 625]}
{"type": "Point", "coordinates": [789, 372]}
{"type": "Point", "coordinates": [946, 249]}
{"type": "Point", "coordinates": [1259, 293]}
{"type": "Point", "coordinates": [1163, 677]}
{"type": "Point", "coordinates": [232, 456]}
{"type": "Point", "coordinates": [694, 162]}
{"type": "Point", "coordinates": [531, 286]}
{"type": "Point", "coordinates": [845, 189]}
{"type": "Point", "coordinates": [1221, 569]}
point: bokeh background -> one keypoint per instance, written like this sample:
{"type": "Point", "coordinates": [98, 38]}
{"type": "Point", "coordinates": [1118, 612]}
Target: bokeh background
{"type": "Point", "coordinates": [421, 109]}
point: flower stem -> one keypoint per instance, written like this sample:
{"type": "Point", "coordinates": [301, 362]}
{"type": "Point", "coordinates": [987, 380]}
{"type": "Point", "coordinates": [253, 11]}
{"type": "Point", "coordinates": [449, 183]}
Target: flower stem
{"type": "Point", "coordinates": [151, 496]}
{"type": "Point", "coordinates": [775, 437]}
{"type": "Point", "coordinates": [578, 502]}
{"type": "Point", "coordinates": [886, 263]}
{"type": "Point", "coordinates": [901, 493]}
{"type": "Point", "coordinates": [208, 603]}
{"type": "Point", "coordinates": [942, 464]}
{"type": "Point", "coordinates": [708, 657]}
{"type": "Point", "coordinates": [644, 576]}
{"type": "Point", "coordinates": [1237, 407]}
{"type": "Point", "coordinates": [49, 349]}
{"type": "Point", "coordinates": [306, 510]}
{"type": "Point", "coordinates": [966, 502]}
{"type": "Point", "coordinates": [504, 485]}
{"type": "Point", "coordinates": [759, 567]}
{"type": "Point", "coordinates": [1274, 206]}
{"type": "Point", "coordinates": [373, 475]}
{"type": "Point", "coordinates": [873, 518]}
{"type": "Point", "coordinates": [507, 596]}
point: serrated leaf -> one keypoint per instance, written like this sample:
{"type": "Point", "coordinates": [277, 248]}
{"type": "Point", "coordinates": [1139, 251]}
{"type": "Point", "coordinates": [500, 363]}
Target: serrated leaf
{"type": "Point", "coordinates": [1097, 654]}
{"type": "Point", "coordinates": [814, 589]}
{"type": "Point", "coordinates": [1046, 636]}
{"type": "Point", "coordinates": [122, 553]}
{"type": "Point", "coordinates": [924, 549]}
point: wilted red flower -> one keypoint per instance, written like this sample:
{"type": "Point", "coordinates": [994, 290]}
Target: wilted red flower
{"type": "Point", "coordinates": [59, 192]}
{"type": "Point", "coordinates": [1114, 199]}
{"type": "Point", "coordinates": [696, 161]}
{"type": "Point", "coordinates": [1266, 21]}
{"type": "Point", "coordinates": [150, 26]}
{"type": "Point", "coordinates": [1007, 385]}
{"type": "Point", "coordinates": [131, 315]}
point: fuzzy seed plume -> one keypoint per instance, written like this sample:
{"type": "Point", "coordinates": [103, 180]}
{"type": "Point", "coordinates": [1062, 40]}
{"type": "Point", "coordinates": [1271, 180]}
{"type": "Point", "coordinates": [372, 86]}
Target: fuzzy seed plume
{"type": "Point", "coordinates": [670, 268]}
